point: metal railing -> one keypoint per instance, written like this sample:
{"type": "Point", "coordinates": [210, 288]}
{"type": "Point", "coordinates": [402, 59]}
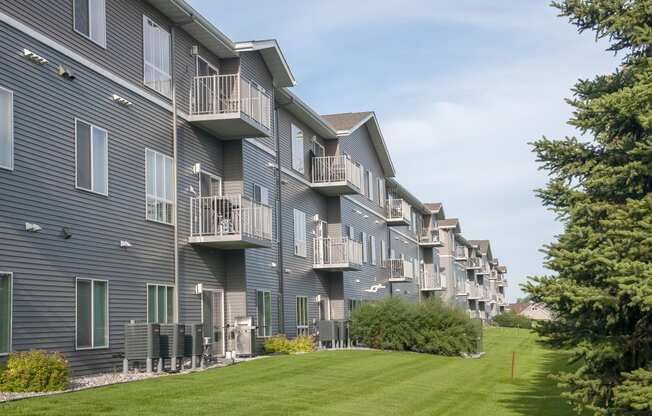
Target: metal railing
{"type": "Point", "coordinates": [430, 280]}
{"type": "Point", "coordinates": [327, 169]}
{"type": "Point", "coordinates": [400, 269]}
{"type": "Point", "coordinates": [398, 209]}
{"type": "Point", "coordinates": [330, 251]}
{"type": "Point", "coordinates": [429, 236]}
{"type": "Point", "coordinates": [473, 263]}
{"type": "Point", "coordinates": [224, 94]}
{"type": "Point", "coordinates": [228, 215]}
{"type": "Point", "coordinates": [473, 290]}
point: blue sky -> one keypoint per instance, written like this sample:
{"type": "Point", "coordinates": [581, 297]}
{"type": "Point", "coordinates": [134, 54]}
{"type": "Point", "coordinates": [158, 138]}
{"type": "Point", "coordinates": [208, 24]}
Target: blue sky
{"type": "Point", "coordinates": [459, 88]}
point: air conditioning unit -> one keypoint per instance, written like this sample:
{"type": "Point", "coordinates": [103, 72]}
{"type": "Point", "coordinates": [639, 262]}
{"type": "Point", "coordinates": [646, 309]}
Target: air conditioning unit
{"type": "Point", "coordinates": [243, 328]}
{"type": "Point", "coordinates": [194, 342]}
{"type": "Point", "coordinates": [142, 343]}
{"type": "Point", "coordinates": [327, 333]}
{"type": "Point", "coordinates": [342, 328]}
{"type": "Point", "coordinates": [172, 341]}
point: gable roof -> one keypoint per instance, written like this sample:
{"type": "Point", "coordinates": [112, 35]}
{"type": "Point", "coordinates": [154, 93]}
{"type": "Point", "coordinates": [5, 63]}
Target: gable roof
{"type": "Point", "coordinates": [274, 59]}
{"type": "Point", "coordinates": [483, 245]}
{"type": "Point", "coordinates": [302, 111]}
{"type": "Point", "coordinates": [402, 192]}
{"type": "Point", "coordinates": [436, 208]}
{"type": "Point", "coordinates": [347, 123]}
{"type": "Point", "coordinates": [450, 223]}
{"type": "Point", "coordinates": [518, 307]}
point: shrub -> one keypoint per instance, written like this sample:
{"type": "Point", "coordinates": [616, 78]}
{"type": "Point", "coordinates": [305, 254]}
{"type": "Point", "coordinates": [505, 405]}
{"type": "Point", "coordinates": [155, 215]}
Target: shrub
{"type": "Point", "coordinates": [430, 327]}
{"type": "Point", "coordinates": [34, 371]}
{"type": "Point", "coordinates": [280, 343]}
{"type": "Point", "coordinates": [511, 319]}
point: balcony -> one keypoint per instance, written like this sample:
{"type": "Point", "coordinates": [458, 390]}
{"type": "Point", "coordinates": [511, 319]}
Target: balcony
{"type": "Point", "coordinates": [474, 263]}
{"type": "Point", "coordinates": [398, 212]}
{"type": "Point", "coordinates": [337, 254]}
{"type": "Point", "coordinates": [230, 222]}
{"type": "Point", "coordinates": [460, 253]}
{"type": "Point", "coordinates": [230, 107]}
{"type": "Point", "coordinates": [400, 270]}
{"type": "Point", "coordinates": [473, 291]}
{"type": "Point", "coordinates": [430, 238]}
{"type": "Point", "coordinates": [336, 175]}
{"type": "Point", "coordinates": [431, 281]}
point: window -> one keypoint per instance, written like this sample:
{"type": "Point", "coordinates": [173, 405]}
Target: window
{"type": "Point", "coordinates": [297, 150]}
{"type": "Point", "coordinates": [6, 129]}
{"type": "Point", "coordinates": [5, 312]}
{"type": "Point", "coordinates": [209, 185]}
{"type": "Point", "coordinates": [90, 20]}
{"type": "Point", "coordinates": [92, 314]}
{"type": "Point", "coordinates": [354, 304]}
{"type": "Point", "coordinates": [160, 304]}
{"type": "Point", "coordinates": [383, 253]}
{"type": "Point", "coordinates": [264, 311]}
{"type": "Point", "coordinates": [302, 315]}
{"type": "Point", "coordinates": [349, 232]}
{"type": "Point", "coordinates": [372, 244]}
{"type": "Point", "coordinates": [370, 185]}
{"type": "Point", "coordinates": [92, 158]}
{"type": "Point", "coordinates": [381, 192]}
{"type": "Point", "coordinates": [159, 187]}
{"type": "Point", "coordinates": [365, 247]}
{"type": "Point", "coordinates": [299, 233]}
{"type": "Point", "coordinates": [317, 148]}
{"type": "Point", "coordinates": [156, 57]}
{"type": "Point", "coordinates": [261, 195]}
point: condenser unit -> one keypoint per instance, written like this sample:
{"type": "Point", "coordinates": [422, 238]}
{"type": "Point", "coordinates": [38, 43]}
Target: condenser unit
{"type": "Point", "coordinates": [142, 343]}
{"type": "Point", "coordinates": [328, 333]}
{"type": "Point", "coordinates": [194, 342]}
{"type": "Point", "coordinates": [172, 341]}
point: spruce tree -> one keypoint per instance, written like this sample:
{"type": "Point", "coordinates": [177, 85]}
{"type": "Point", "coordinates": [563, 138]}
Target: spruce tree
{"type": "Point", "coordinates": [600, 188]}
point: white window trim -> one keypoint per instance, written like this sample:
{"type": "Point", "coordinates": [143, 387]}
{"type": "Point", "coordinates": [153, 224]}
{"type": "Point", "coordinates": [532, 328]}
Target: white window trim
{"type": "Point", "coordinates": [108, 328]}
{"type": "Point", "coordinates": [365, 247]}
{"type": "Point", "coordinates": [372, 252]}
{"type": "Point", "coordinates": [297, 165]}
{"type": "Point", "coordinates": [305, 327]}
{"type": "Point", "coordinates": [106, 159]}
{"type": "Point", "coordinates": [261, 187]}
{"type": "Point", "coordinates": [269, 324]}
{"type": "Point", "coordinates": [166, 299]}
{"type": "Point", "coordinates": [101, 43]}
{"type": "Point", "coordinates": [11, 129]}
{"type": "Point", "coordinates": [303, 248]}
{"type": "Point", "coordinates": [11, 311]}
{"type": "Point", "coordinates": [174, 189]}
{"type": "Point", "coordinates": [213, 176]}
{"type": "Point", "coordinates": [145, 63]}
{"type": "Point", "coordinates": [315, 143]}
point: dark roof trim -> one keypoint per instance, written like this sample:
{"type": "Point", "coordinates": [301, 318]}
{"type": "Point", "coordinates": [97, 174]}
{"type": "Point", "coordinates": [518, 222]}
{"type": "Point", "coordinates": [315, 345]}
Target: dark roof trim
{"type": "Point", "coordinates": [304, 113]}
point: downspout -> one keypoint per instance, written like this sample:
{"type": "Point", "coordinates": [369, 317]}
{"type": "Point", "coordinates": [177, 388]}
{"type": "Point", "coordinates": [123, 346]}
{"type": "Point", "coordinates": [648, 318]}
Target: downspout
{"type": "Point", "coordinates": [174, 175]}
{"type": "Point", "coordinates": [389, 250]}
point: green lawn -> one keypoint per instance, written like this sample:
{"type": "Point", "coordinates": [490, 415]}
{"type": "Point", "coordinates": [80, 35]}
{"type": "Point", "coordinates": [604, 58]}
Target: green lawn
{"type": "Point", "coordinates": [339, 383]}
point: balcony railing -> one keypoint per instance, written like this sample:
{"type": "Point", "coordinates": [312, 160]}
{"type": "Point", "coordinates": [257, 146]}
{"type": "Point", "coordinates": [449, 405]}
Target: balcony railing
{"type": "Point", "coordinates": [429, 237]}
{"type": "Point", "coordinates": [334, 170]}
{"type": "Point", "coordinates": [473, 290]}
{"type": "Point", "coordinates": [473, 263]}
{"type": "Point", "coordinates": [336, 253]}
{"type": "Point", "coordinates": [429, 280]}
{"type": "Point", "coordinates": [225, 217]}
{"type": "Point", "coordinates": [398, 211]}
{"type": "Point", "coordinates": [400, 270]}
{"type": "Point", "coordinates": [460, 253]}
{"type": "Point", "coordinates": [228, 94]}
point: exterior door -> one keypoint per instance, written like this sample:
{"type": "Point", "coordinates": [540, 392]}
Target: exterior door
{"type": "Point", "coordinates": [213, 319]}
{"type": "Point", "coordinates": [320, 235]}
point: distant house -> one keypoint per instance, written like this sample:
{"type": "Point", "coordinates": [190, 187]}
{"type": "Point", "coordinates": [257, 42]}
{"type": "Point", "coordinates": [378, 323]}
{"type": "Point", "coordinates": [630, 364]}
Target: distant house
{"type": "Point", "coordinates": [535, 311]}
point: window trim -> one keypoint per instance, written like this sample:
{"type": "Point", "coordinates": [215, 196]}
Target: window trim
{"type": "Point", "coordinates": [316, 144]}
{"type": "Point", "coordinates": [201, 172]}
{"type": "Point", "coordinates": [174, 188]}
{"type": "Point", "coordinates": [305, 327]}
{"type": "Point", "coordinates": [145, 63]}
{"type": "Point", "coordinates": [12, 137]}
{"type": "Point", "coordinates": [268, 324]}
{"type": "Point", "coordinates": [302, 253]}
{"type": "Point", "coordinates": [197, 58]}
{"type": "Point", "coordinates": [300, 165]}
{"type": "Point", "coordinates": [11, 311]}
{"type": "Point", "coordinates": [106, 157]}
{"type": "Point", "coordinates": [372, 250]}
{"type": "Point", "coordinates": [174, 288]}
{"type": "Point", "coordinates": [261, 187]}
{"type": "Point", "coordinates": [108, 320]}
{"type": "Point", "coordinates": [74, 28]}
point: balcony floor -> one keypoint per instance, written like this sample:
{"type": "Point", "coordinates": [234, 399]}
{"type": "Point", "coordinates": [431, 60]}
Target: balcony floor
{"type": "Point", "coordinates": [230, 242]}
{"type": "Point", "coordinates": [337, 267]}
{"type": "Point", "coordinates": [432, 289]}
{"type": "Point", "coordinates": [335, 188]}
{"type": "Point", "coordinates": [229, 126]}
{"type": "Point", "coordinates": [430, 244]}
{"type": "Point", "coordinates": [397, 222]}
{"type": "Point", "coordinates": [400, 280]}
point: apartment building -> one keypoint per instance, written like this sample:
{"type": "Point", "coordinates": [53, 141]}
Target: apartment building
{"type": "Point", "coordinates": [152, 169]}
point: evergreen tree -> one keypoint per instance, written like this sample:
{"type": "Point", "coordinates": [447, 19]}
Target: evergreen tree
{"type": "Point", "coordinates": [601, 190]}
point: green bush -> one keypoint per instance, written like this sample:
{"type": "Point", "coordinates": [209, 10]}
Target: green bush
{"type": "Point", "coordinates": [511, 319]}
{"type": "Point", "coordinates": [429, 327]}
{"type": "Point", "coordinates": [34, 371]}
{"type": "Point", "coordinates": [280, 343]}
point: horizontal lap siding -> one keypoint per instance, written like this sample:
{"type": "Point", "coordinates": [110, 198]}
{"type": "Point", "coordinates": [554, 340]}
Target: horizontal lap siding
{"type": "Point", "coordinates": [253, 68]}
{"type": "Point", "coordinates": [41, 190]}
{"type": "Point", "coordinates": [302, 280]}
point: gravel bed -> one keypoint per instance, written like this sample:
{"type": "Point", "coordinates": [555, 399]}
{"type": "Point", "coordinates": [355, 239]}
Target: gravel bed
{"type": "Point", "coordinates": [89, 382]}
